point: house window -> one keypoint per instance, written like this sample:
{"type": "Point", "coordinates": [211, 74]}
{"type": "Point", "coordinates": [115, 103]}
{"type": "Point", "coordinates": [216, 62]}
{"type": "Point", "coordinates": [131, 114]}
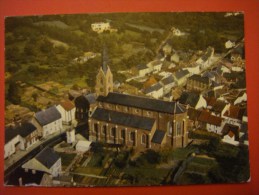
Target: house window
{"type": "Point", "coordinates": [178, 129]}
{"type": "Point", "coordinates": [113, 132]}
{"type": "Point", "coordinates": [136, 110]}
{"type": "Point", "coordinates": [148, 113]}
{"type": "Point", "coordinates": [123, 134]}
{"type": "Point", "coordinates": [126, 109]}
{"type": "Point", "coordinates": [104, 130]}
{"type": "Point", "coordinates": [144, 139]}
{"type": "Point", "coordinates": [95, 127]}
{"type": "Point", "coordinates": [132, 136]}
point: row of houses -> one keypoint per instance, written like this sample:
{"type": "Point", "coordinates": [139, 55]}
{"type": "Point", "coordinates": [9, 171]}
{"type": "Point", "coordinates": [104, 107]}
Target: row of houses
{"type": "Point", "coordinates": [44, 123]}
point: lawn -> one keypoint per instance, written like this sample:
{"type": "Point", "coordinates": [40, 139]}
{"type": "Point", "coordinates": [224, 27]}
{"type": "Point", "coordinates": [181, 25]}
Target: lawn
{"type": "Point", "coordinates": [66, 159]}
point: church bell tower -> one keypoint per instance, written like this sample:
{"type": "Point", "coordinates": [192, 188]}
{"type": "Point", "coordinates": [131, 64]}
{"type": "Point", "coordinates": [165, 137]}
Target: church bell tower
{"type": "Point", "coordinates": [104, 78]}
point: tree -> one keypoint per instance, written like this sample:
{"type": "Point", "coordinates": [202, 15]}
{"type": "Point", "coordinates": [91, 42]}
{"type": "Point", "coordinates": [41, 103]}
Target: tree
{"type": "Point", "coordinates": [14, 93]}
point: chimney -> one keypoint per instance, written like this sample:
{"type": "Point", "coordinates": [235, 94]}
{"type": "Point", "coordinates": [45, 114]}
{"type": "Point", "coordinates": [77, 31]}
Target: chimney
{"type": "Point", "coordinates": [20, 181]}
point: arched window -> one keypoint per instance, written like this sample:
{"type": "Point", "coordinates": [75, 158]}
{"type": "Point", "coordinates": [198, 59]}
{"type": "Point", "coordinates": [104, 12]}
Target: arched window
{"type": "Point", "coordinates": [123, 134]}
{"type": "Point", "coordinates": [132, 136]}
{"type": "Point", "coordinates": [113, 132]}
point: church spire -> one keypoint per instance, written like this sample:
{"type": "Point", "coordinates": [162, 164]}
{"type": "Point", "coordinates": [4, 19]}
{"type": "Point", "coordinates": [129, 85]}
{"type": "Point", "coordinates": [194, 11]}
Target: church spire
{"type": "Point", "coordinates": [104, 59]}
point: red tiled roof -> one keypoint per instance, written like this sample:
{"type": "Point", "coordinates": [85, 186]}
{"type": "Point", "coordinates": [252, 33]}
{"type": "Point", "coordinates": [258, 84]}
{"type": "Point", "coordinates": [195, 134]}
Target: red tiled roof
{"type": "Point", "coordinates": [235, 112]}
{"type": "Point", "coordinates": [67, 105]}
{"type": "Point", "coordinates": [206, 117]}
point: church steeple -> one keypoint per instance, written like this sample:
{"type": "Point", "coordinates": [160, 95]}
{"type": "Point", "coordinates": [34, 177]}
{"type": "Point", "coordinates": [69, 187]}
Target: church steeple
{"type": "Point", "coordinates": [104, 78]}
{"type": "Point", "coordinates": [104, 60]}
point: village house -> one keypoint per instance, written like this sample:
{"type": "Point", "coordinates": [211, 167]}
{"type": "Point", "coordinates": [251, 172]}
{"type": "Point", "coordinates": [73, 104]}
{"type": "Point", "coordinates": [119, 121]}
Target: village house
{"type": "Point", "coordinates": [100, 27]}
{"type": "Point", "coordinates": [47, 161]}
{"type": "Point", "coordinates": [175, 58]}
{"type": "Point", "coordinates": [133, 121]}
{"type": "Point", "coordinates": [234, 115]}
{"type": "Point", "coordinates": [168, 83]}
{"type": "Point", "coordinates": [19, 137]}
{"type": "Point", "coordinates": [230, 134]}
{"type": "Point", "coordinates": [84, 106]}
{"type": "Point", "coordinates": [181, 76]}
{"type": "Point", "coordinates": [143, 70]}
{"type": "Point", "coordinates": [217, 107]}
{"type": "Point", "coordinates": [197, 83]}
{"type": "Point", "coordinates": [155, 91]}
{"type": "Point", "coordinates": [67, 110]}
{"type": "Point", "coordinates": [210, 122]}
{"type": "Point", "coordinates": [167, 49]}
{"type": "Point", "coordinates": [205, 60]}
{"type": "Point", "coordinates": [48, 121]}
{"type": "Point", "coordinates": [193, 100]}
{"type": "Point", "coordinates": [155, 66]}
{"type": "Point", "coordinates": [193, 70]}
{"type": "Point", "coordinates": [229, 44]}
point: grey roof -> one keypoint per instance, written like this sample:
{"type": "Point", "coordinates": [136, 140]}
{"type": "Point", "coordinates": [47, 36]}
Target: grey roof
{"type": "Point", "coordinates": [189, 98]}
{"type": "Point", "coordinates": [143, 103]}
{"type": "Point", "coordinates": [23, 130]}
{"type": "Point", "coordinates": [90, 98]}
{"type": "Point", "coordinates": [168, 80]}
{"type": "Point", "coordinates": [199, 78]}
{"type": "Point", "coordinates": [124, 119]}
{"type": "Point", "coordinates": [47, 116]}
{"type": "Point", "coordinates": [10, 133]}
{"type": "Point", "coordinates": [48, 157]}
{"type": "Point", "coordinates": [142, 66]}
{"type": "Point", "coordinates": [158, 136]}
{"type": "Point", "coordinates": [152, 88]}
{"type": "Point", "coordinates": [181, 73]}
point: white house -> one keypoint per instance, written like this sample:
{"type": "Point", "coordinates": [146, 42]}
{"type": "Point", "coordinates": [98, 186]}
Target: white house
{"type": "Point", "coordinates": [241, 98]}
{"type": "Point", "coordinates": [143, 70]}
{"type": "Point", "coordinates": [83, 146]}
{"type": "Point", "coordinates": [12, 141]}
{"type": "Point", "coordinates": [205, 61]}
{"type": "Point", "coordinates": [234, 115]}
{"type": "Point", "coordinates": [237, 69]}
{"type": "Point", "coordinates": [67, 110]}
{"type": "Point", "coordinates": [230, 139]}
{"type": "Point", "coordinates": [48, 121]}
{"type": "Point", "coordinates": [47, 161]}
{"type": "Point", "coordinates": [231, 134]}
{"type": "Point", "coordinates": [181, 76]}
{"type": "Point", "coordinates": [193, 70]}
{"type": "Point", "coordinates": [229, 44]}
{"type": "Point", "coordinates": [99, 27]}
{"type": "Point", "coordinates": [155, 91]}
{"type": "Point", "coordinates": [168, 83]}
{"type": "Point", "coordinates": [175, 58]}
{"type": "Point", "coordinates": [19, 137]}
{"type": "Point", "coordinates": [155, 65]}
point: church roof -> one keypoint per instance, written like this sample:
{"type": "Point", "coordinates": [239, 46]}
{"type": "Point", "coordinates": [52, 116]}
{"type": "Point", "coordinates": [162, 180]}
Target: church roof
{"type": "Point", "coordinates": [143, 103]}
{"type": "Point", "coordinates": [128, 120]}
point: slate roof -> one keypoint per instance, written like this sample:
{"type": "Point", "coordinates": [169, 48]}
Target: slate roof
{"type": "Point", "coordinates": [128, 120]}
{"type": "Point", "coordinates": [158, 136]}
{"type": "Point", "coordinates": [189, 98]}
{"type": "Point", "coordinates": [143, 103]}
{"type": "Point", "coordinates": [167, 80]}
{"type": "Point", "coordinates": [219, 106]}
{"type": "Point", "coordinates": [24, 130]}
{"type": "Point", "coordinates": [10, 133]}
{"type": "Point", "coordinates": [152, 88]}
{"type": "Point", "coordinates": [48, 157]}
{"type": "Point", "coordinates": [47, 116]}
{"type": "Point", "coordinates": [199, 78]}
{"type": "Point", "coordinates": [142, 66]}
{"type": "Point", "coordinates": [181, 73]}
{"type": "Point", "coordinates": [90, 98]}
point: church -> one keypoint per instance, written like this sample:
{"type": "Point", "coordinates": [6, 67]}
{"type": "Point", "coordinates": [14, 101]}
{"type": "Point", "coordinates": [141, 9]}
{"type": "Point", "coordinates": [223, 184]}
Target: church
{"type": "Point", "coordinates": [134, 121]}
